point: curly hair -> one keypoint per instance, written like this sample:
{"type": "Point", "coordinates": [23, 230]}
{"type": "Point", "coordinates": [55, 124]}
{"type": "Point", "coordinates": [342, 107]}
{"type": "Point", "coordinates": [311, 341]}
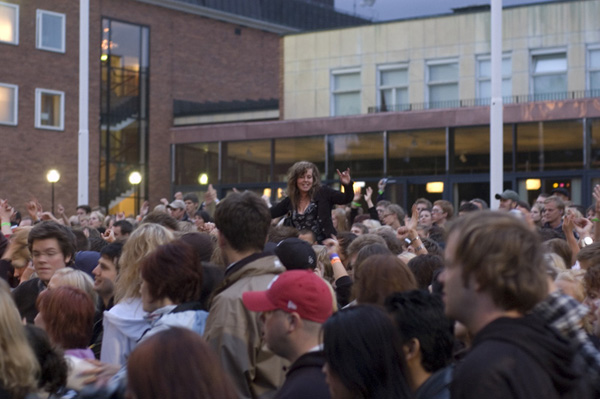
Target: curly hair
{"type": "Point", "coordinates": [140, 243]}
{"type": "Point", "coordinates": [296, 171]}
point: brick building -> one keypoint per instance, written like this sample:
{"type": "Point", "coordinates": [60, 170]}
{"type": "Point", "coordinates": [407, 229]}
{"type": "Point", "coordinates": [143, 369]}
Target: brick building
{"type": "Point", "coordinates": [144, 57]}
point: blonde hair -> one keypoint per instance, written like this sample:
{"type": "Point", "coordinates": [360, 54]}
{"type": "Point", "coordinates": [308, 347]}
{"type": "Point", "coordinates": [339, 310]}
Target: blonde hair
{"type": "Point", "coordinates": [67, 276]}
{"type": "Point", "coordinates": [18, 364]}
{"type": "Point", "coordinates": [140, 243]}
{"type": "Point", "coordinates": [576, 278]}
{"type": "Point", "coordinates": [21, 256]}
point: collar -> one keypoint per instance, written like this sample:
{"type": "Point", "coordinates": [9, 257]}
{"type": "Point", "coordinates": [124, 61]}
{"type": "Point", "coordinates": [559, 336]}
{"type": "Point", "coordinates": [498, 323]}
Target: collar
{"type": "Point", "coordinates": [235, 266]}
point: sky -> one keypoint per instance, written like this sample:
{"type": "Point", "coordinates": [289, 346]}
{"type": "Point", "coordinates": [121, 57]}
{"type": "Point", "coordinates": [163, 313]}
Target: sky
{"type": "Point", "coordinates": [385, 10]}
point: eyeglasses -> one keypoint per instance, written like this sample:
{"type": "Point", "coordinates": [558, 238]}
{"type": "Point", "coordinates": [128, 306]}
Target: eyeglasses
{"type": "Point", "coordinates": [436, 211]}
{"type": "Point", "coordinates": [386, 215]}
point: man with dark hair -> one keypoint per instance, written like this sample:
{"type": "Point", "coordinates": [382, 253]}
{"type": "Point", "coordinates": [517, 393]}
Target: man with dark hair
{"type": "Point", "coordinates": [122, 229]}
{"type": "Point", "coordinates": [52, 247]}
{"type": "Point", "coordinates": [494, 276]}
{"type": "Point", "coordinates": [192, 204]}
{"type": "Point", "coordinates": [83, 210]}
{"type": "Point", "coordinates": [427, 337]}
{"type": "Point", "coordinates": [243, 220]}
{"type": "Point", "coordinates": [105, 277]}
{"type": "Point", "coordinates": [105, 273]}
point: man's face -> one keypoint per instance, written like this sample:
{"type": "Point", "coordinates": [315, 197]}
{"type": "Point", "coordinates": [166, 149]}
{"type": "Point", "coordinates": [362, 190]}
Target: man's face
{"type": "Point", "coordinates": [47, 258]}
{"type": "Point", "coordinates": [437, 213]}
{"type": "Point", "coordinates": [80, 212]}
{"type": "Point", "coordinates": [105, 275]}
{"type": "Point", "coordinates": [356, 230]}
{"type": "Point", "coordinates": [551, 213]}
{"type": "Point", "coordinates": [177, 213]}
{"type": "Point", "coordinates": [389, 218]}
{"type": "Point", "coordinates": [380, 211]}
{"type": "Point", "coordinates": [117, 232]}
{"type": "Point", "coordinates": [506, 204]}
{"type": "Point", "coordinates": [190, 207]}
{"type": "Point", "coordinates": [540, 200]}
{"type": "Point", "coordinates": [456, 296]}
{"type": "Point", "coordinates": [274, 329]}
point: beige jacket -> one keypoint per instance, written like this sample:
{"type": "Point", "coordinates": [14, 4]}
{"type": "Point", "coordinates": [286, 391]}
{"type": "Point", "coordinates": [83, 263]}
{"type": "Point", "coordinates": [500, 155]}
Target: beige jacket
{"type": "Point", "coordinates": [234, 332]}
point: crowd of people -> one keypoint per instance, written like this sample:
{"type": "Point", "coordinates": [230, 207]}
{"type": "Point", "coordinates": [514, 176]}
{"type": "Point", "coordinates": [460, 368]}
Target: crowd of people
{"type": "Point", "coordinates": [325, 294]}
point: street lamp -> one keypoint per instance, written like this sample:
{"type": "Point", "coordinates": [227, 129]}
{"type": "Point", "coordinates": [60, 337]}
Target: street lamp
{"type": "Point", "coordinates": [52, 176]}
{"type": "Point", "coordinates": [135, 178]}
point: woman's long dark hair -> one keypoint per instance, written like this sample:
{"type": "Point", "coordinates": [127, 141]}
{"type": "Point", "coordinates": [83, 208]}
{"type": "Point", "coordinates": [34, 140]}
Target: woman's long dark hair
{"type": "Point", "coordinates": [297, 170]}
{"type": "Point", "coordinates": [362, 350]}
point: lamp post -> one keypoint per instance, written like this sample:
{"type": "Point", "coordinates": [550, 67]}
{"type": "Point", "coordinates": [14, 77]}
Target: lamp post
{"type": "Point", "coordinates": [53, 176]}
{"type": "Point", "coordinates": [135, 178]}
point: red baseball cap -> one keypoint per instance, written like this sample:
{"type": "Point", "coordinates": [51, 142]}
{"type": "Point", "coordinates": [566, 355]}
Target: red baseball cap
{"type": "Point", "coordinates": [300, 291]}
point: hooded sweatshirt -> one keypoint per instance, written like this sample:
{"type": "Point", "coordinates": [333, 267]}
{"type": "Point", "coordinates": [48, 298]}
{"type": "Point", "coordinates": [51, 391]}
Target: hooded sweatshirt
{"type": "Point", "coordinates": [520, 358]}
{"type": "Point", "coordinates": [123, 324]}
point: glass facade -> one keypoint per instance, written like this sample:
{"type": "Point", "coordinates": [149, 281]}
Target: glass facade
{"type": "Point", "coordinates": [545, 146]}
{"type": "Point", "coordinates": [124, 109]}
{"type": "Point", "coordinates": [288, 151]}
{"type": "Point", "coordinates": [362, 153]}
{"type": "Point", "coordinates": [419, 152]}
{"type": "Point", "coordinates": [246, 161]}
{"type": "Point", "coordinates": [551, 152]}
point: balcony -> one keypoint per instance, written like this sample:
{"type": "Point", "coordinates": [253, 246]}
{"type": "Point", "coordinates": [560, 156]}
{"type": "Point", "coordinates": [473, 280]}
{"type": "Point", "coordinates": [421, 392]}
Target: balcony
{"type": "Point", "coordinates": [485, 102]}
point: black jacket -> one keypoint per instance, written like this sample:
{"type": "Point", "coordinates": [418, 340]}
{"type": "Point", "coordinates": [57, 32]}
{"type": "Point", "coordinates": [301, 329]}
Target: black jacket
{"type": "Point", "coordinates": [520, 358]}
{"type": "Point", "coordinates": [305, 379]}
{"type": "Point", "coordinates": [25, 296]}
{"type": "Point", "coordinates": [325, 198]}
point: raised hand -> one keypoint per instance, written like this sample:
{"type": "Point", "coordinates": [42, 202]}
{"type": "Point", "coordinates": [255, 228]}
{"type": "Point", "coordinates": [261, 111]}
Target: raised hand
{"type": "Point", "coordinates": [344, 176]}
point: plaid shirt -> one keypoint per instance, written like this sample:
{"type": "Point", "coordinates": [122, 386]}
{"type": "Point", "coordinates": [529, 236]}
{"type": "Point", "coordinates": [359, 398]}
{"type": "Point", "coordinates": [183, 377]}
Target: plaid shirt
{"type": "Point", "coordinates": [565, 315]}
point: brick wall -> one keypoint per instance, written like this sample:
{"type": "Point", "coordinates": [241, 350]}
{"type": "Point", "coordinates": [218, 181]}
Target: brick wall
{"type": "Point", "coordinates": [191, 58]}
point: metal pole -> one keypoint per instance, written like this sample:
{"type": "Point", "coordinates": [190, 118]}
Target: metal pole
{"type": "Point", "coordinates": [83, 166]}
{"type": "Point", "coordinates": [52, 198]}
{"type": "Point", "coordinates": [496, 115]}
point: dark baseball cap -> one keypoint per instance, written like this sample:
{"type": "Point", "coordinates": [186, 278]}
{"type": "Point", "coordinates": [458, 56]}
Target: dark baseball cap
{"type": "Point", "coordinates": [295, 253]}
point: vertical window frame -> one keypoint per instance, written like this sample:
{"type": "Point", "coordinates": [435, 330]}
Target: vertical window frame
{"type": "Point", "coordinates": [480, 79]}
{"type": "Point", "coordinates": [16, 26]}
{"type": "Point", "coordinates": [334, 90]}
{"type": "Point", "coordinates": [39, 31]}
{"type": "Point", "coordinates": [380, 87]}
{"type": "Point", "coordinates": [38, 110]}
{"type": "Point", "coordinates": [429, 84]}
{"type": "Point", "coordinates": [16, 101]}
{"type": "Point", "coordinates": [589, 69]}
{"type": "Point", "coordinates": [533, 75]}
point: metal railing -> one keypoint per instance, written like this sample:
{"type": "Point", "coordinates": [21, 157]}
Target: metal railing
{"type": "Point", "coordinates": [483, 102]}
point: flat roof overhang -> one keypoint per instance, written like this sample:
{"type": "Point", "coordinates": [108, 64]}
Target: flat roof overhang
{"type": "Point", "coordinates": [387, 121]}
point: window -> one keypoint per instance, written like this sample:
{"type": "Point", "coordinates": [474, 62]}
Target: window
{"type": "Point", "coordinates": [345, 92]}
{"type": "Point", "coordinates": [50, 31]}
{"type": "Point", "coordinates": [484, 79]}
{"type": "Point", "coordinates": [549, 75]}
{"type": "Point", "coordinates": [9, 98]}
{"type": "Point", "coordinates": [442, 83]}
{"type": "Point", "coordinates": [393, 87]}
{"type": "Point", "coordinates": [594, 70]}
{"type": "Point", "coordinates": [9, 23]}
{"type": "Point", "coordinates": [49, 109]}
